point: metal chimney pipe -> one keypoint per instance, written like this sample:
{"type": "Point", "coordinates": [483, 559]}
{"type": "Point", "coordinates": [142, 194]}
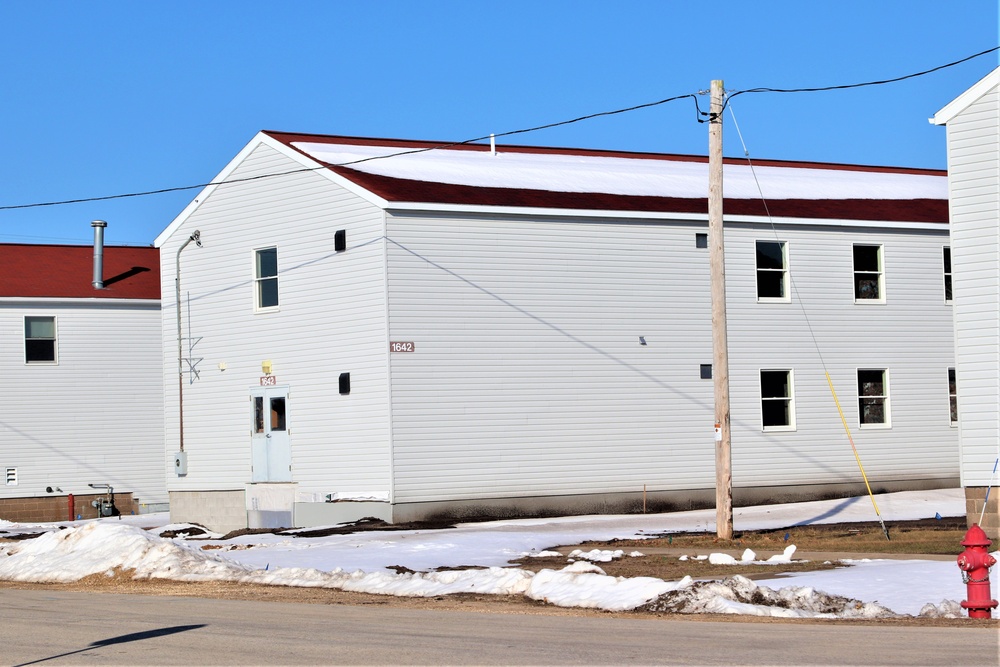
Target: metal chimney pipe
{"type": "Point", "coordinates": [98, 226]}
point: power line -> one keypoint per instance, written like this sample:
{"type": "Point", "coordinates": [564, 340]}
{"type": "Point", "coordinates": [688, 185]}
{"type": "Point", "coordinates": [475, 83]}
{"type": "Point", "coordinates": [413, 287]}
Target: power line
{"type": "Point", "coordinates": [358, 161]}
{"type": "Point", "coordinates": [699, 115]}
{"type": "Point", "coordinates": [860, 85]}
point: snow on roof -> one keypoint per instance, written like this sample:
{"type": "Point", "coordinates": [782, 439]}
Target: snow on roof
{"type": "Point", "coordinates": [588, 179]}
{"type": "Point", "coordinates": [60, 271]}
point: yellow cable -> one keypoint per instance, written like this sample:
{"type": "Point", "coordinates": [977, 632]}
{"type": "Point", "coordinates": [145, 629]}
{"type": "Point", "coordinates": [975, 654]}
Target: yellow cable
{"type": "Point", "coordinates": [851, 440]}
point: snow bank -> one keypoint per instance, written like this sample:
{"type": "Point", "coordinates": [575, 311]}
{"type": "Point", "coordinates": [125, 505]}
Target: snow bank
{"type": "Point", "coordinates": [583, 584]}
{"type": "Point", "coordinates": [739, 595]}
{"type": "Point", "coordinates": [69, 555]}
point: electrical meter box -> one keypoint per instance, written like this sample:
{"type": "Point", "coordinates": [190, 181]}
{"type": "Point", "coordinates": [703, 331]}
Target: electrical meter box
{"type": "Point", "coordinates": [181, 464]}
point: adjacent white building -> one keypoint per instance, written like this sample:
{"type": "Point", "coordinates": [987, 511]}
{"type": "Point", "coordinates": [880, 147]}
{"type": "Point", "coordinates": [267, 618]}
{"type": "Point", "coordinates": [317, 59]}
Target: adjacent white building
{"type": "Point", "coordinates": [387, 328]}
{"type": "Point", "coordinates": [81, 394]}
{"type": "Point", "coordinates": [973, 129]}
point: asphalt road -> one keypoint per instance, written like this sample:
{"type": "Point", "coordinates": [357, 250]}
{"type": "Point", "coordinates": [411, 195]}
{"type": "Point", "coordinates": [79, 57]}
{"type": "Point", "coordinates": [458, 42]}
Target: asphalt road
{"type": "Point", "coordinates": [63, 628]}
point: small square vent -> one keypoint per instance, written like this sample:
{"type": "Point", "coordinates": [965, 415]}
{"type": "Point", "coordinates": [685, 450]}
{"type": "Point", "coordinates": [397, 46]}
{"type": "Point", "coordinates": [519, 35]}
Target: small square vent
{"type": "Point", "coordinates": [10, 476]}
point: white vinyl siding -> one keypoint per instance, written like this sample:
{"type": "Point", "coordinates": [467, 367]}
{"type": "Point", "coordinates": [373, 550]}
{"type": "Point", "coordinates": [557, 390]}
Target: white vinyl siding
{"type": "Point", "coordinates": [911, 335]}
{"type": "Point", "coordinates": [331, 320]}
{"type": "Point", "coordinates": [97, 416]}
{"type": "Point", "coordinates": [529, 377]}
{"type": "Point", "coordinates": [974, 192]}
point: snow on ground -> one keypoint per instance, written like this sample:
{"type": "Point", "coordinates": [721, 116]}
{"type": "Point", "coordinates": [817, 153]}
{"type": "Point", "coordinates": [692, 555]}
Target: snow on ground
{"type": "Point", "coordinates": [367, 562]}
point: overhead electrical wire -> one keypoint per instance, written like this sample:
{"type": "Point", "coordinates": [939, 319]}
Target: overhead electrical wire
{"type": "Point", "coordinates": [699, 114]}
{"type": "Point", "coordinates": [858, 85]}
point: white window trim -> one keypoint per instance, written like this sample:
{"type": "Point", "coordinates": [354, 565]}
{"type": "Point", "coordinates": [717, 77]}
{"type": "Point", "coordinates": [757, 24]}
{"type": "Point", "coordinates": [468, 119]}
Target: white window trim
{"type": "Point", "coordinates": [952, 369]}
{"type": "Point", "coordinates": [55, 346]}
{"type": "Point", "coordinates": [887, 424]}
{"type": "Point", "coordinates": [791, 401]}
{"type": "Point", "coordinates": [785, 274]}
{"type": "Point", "coordinates": [946, 275]}
{"type": "Point", "coordinates": [881, 275]}
{"type": "Point", "coordinates": [257, 308]}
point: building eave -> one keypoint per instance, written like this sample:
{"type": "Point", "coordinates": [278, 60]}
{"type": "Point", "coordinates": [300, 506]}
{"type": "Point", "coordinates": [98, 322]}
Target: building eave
{"type": "Point", "coordinates": [966, 99]}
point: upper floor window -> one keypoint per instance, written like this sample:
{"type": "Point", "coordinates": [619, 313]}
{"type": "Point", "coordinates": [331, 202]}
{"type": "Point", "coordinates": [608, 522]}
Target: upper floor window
{"type": "Point", "coordinates": [39, 340]}
{"type": "Point", "coordinates": [947, 274]}
{"type": "Point", "coordinates": [777, 406]}
{"type": "Point", "coordinates": [873, 397]}
{"type": "Point", "coordinates": [772, 271]}
{"type": "Point", "coordinates": [953, 396]}
{"type": "Point", "coordinates": [266, 281]}
{"type": "Point", "coordinates": [869, 278]}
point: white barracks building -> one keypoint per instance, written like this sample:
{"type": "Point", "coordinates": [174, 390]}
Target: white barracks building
{"type": "Point", "coordinates": [383, 328]}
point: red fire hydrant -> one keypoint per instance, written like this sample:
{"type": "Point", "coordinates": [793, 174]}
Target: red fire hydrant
{"type": "Point", "coordinates": [975, 564]}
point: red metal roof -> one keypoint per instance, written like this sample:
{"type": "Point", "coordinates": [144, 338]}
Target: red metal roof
{"type": "Point", "coordinates": [889, 210]}
{"type": "Point", "coordinates": [395, 189]}
{"type": "Point", "coordinates": [62, 271]}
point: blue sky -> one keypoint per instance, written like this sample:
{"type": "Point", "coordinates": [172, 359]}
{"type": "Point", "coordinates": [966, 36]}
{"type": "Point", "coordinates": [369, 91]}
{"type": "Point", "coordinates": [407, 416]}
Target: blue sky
{"type": "Point", "coordinates": [105, 98]}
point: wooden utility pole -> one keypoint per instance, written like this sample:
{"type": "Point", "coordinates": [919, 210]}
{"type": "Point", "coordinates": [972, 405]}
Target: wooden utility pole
{"type": "Point", "coordinates": [720, 342]}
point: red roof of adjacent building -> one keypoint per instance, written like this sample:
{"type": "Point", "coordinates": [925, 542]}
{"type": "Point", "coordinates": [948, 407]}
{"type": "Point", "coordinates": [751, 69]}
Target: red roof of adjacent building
{"type": "Point", "coordinates": [62, 271]}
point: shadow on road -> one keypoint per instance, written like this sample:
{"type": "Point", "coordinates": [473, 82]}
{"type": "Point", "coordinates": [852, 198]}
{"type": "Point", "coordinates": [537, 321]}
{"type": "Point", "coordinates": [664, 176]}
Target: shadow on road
{"type": "Point", "coordinates": [121, 639]}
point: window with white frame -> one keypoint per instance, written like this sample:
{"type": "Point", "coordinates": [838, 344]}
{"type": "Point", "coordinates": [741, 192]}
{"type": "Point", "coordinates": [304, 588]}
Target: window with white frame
{"type": "Point", "coordinates": [777, 403]}
{"type": "Point", "coordinates": [869, 276]}
{"type": "Point", "coordinates": [953, 396]}
{"type": "Point", "coordinates": [947, 274]}
{"type": "Point", "coordinates": [39, 340]}
{"type": "Point", "coordinates": [772, 271]}
{"type": "Point", "coordinates": [873, 397]}
{"type": "Point", "coordinates": [266, 280]}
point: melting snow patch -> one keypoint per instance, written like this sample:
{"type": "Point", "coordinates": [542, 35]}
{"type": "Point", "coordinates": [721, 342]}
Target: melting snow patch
{"type": "Point", "coordinates": [583, 584]}
{"type": "Point", "coordinates": [748, 558]}
{"type": "Point", "coordinates": [739, 595]}
{"type": "Point", "coordinates": [947, 609]}
{"type": "Point", "coordinates": [597, 555]}
{"type": "Point", "coordinates": [540, 554]}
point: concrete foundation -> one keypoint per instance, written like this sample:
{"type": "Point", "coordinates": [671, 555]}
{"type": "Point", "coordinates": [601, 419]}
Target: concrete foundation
{"type": "Point", "coordinates": [651, 502]}
{"type": "Point", "coordinates": [974, 498]}
{"type": "Point", "coordinates": [274, 505]}
{"type": "Point", "coordinates": [309, 515]}
{"type": "Point", "coordinates": [220, 511]}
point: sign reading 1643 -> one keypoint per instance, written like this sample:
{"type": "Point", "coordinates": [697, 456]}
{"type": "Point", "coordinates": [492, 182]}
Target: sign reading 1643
{"type": "Point", "coordinates": [400, 347]}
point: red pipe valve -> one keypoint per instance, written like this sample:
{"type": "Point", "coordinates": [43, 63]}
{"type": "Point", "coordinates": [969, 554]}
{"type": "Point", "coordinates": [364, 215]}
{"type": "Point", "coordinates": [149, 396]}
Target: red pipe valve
{"type": "Point", "coordinates": [975, 563]}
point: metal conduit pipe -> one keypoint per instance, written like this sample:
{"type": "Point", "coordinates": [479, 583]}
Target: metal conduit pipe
{"type": "Point", "coordinates": [196, 237]}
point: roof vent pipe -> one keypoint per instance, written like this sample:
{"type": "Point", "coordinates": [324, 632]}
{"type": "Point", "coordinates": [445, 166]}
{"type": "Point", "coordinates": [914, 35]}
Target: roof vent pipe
{"type": "Point", "coordinates": [98, 226]}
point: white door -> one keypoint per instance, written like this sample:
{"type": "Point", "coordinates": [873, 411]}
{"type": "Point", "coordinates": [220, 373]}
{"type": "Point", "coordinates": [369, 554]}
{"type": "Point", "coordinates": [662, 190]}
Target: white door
{"type": "Point", "coordinates": [271, 453]}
